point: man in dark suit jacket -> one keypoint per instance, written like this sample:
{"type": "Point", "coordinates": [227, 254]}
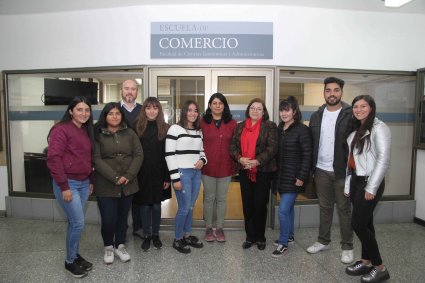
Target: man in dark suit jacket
{"type": "Point", "coordinates": [131, 111]}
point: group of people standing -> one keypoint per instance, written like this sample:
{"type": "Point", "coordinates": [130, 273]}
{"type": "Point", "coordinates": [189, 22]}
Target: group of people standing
{"type": "Point", "coordinates": [121, 158]}
{"type": "Point", "coordinates": [351, 154]}
{"type": "Point", "coordinates": [134, 160]}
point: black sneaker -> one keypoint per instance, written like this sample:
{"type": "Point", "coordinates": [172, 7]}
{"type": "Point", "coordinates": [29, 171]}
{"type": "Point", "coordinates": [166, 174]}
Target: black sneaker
{"type": "Point", "coordinates": [261, 245]}
{"type": "Point", "coordinates": [76, 270]}
{"type": "Point", "coordinates": [146, 243]}
{"type": "Point", "coordinates": [247, 245]}
{"type": "Point", "coordinates": [375, 275]}
{"type": "Point", "coordinates": [156, 242]}
{"type": "Point", "coordinates": [358, 268]}
{"type": "Point", "coordinates": [280, 251]}
{"type": "Point", "coordinates": [180, 245]}
{"type": "Point", "coordinates": [84, 264]}
{"type": "Point", "coordinates": [291, 240]}
{"type": "Point", "coordinates": [193, 242]}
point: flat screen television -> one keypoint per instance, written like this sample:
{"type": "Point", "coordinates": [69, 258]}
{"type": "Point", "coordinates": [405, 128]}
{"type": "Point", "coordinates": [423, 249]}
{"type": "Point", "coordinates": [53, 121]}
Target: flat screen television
{"type": "Point", "coordinates": [61, 92]}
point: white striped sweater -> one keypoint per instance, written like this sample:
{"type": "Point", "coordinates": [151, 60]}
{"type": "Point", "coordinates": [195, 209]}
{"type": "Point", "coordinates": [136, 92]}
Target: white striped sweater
{"type": "Point", "coordinates": [183, 148]}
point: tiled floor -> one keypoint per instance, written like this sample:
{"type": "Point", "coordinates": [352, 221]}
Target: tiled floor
{"type": "Point", "coordinates": [33, 251]}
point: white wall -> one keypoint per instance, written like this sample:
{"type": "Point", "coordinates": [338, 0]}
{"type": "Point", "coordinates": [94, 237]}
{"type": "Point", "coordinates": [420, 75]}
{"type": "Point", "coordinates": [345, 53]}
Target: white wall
{"type": "Point", "coordinates": [303, 37]}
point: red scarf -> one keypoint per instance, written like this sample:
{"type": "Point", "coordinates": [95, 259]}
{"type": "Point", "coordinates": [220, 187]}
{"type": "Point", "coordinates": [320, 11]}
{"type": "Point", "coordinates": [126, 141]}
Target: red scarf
{"type": "Point", "coordinates": [249, 138]}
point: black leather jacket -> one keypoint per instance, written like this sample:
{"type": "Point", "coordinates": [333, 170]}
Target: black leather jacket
{"type": "Point", "coordinates": [266, 147]}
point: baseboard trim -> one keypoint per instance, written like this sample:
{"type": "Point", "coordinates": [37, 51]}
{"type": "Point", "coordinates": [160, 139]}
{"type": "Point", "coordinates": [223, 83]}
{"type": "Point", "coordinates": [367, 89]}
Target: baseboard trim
{"type": "Point", "coordinates": [419, 221]}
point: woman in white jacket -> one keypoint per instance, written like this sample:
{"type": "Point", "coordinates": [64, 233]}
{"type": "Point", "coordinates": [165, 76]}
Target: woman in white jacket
{"type": "Point", "coordinates": [368, 162]}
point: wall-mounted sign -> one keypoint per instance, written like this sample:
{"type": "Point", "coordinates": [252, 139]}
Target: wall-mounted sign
{"type": "Point", "coordinates": [248, 40]}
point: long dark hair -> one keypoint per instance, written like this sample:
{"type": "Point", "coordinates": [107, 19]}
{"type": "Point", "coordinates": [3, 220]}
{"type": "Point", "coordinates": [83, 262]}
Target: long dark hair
{"type": "Point", "coordinates": [265, 112]}
{"type": "Point", "coordinates": [226, 116]}
{"type": "Point", "coordinates": [291, 103]}
{"type": "Point", "coordinates": [68, 117]}
{"type": "Point", "coordinates": [101, 123]}
{"type": "Point", "coordinates": [183, 115]}
{"type": "Point", "coordinates": [360, 128]}
{"type": "Point", "coordinates": [142, 121]}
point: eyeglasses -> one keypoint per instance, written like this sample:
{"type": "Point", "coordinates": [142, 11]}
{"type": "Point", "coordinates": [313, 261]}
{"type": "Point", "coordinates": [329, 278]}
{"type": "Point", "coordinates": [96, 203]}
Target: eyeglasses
{"type": "Point", "coordinates": [255, 109]}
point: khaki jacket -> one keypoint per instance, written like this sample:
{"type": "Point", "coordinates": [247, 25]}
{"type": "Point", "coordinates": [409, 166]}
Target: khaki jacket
{"type": "Point", "coordinates": [116, 154]}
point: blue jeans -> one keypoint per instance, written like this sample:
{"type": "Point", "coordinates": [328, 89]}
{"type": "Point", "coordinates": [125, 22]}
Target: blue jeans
{"type": "Point", "coordinates": [151, 218]}
{"type": "Point", "coordinates": [186, 198]}
{"type": "Point", "coordinates": [286, 217]}
{"type": "Point", "coordinates": [74, 211]}
{"type": "Point", "coordinates": [113, 215]}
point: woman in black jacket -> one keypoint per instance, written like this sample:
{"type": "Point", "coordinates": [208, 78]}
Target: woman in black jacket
{"type": "Point", "coordinates": [293, 162]}
{"type": "Point", "coordinates": [154, 178]}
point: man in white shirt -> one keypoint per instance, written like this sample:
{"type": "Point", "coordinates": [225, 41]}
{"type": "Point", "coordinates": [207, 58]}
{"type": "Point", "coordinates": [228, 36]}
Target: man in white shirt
{"type": "Point", "coordinates": [330, 125]}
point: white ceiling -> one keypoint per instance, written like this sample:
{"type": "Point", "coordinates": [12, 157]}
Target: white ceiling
{"type": "Point", "coordinates": [10, 7]}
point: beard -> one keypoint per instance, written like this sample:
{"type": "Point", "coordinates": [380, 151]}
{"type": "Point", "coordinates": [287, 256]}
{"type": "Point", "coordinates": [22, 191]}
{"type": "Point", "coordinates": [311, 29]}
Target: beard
{"type": "Point", "coordinates": [331, 102]}
{"type": "Point", "coordinates": [128, 98]}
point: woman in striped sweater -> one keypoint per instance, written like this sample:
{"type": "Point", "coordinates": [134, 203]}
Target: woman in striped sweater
{"type": "Point", "coordinates": [184, 153]}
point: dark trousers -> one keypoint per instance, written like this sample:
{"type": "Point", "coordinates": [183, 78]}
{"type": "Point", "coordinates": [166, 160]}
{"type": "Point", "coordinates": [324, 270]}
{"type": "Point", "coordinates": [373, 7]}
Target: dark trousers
{"type": "Point", "coordinates": [362, 218]}
{"type": "Point", "coordinates": [113, 214]}
{"type": "Point", "coordinates": [255, 197]}
{"type": "Point", "coordinates": [137, 218]}
{"type": "Point", "coordinates": [151, 219]}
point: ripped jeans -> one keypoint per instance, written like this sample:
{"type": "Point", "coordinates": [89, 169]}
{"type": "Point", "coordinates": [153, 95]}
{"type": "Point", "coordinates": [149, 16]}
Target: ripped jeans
{"type": "Point", "coordinates": [186, 198]}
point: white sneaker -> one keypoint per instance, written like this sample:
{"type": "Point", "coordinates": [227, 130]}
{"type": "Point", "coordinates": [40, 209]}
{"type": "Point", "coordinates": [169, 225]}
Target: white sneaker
{"type": "Point", "coordinates": [122, 253]}
{"type": "Point", "coordinates": [347, 256]}
{"type": "Point", "coordinates": [108, 258]}
{"type": "Point", "coordinates": [317, 247]}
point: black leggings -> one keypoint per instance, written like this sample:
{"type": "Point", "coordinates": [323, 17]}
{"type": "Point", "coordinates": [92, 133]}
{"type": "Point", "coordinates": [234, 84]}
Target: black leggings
{"type": "Point", "coordinates": [362, 218]}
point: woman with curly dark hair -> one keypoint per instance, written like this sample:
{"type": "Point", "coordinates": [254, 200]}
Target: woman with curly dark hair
{"type": "Point", "coordinates": [217, 129]}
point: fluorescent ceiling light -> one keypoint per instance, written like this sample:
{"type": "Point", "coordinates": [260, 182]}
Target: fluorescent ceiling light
{"type": "Point", "coordinates": [396, 3]}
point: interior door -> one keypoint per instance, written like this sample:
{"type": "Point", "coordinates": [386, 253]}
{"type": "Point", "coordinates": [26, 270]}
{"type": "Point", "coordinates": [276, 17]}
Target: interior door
{"type": "Point", "coordinates": [172, 86]}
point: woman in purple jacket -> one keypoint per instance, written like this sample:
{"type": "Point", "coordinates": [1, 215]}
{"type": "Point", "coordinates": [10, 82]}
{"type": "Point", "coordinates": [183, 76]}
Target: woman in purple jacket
{"type": "Point", "coordinates": [217, 128]}
{"type": "Point", "coordinates": [69, 160]}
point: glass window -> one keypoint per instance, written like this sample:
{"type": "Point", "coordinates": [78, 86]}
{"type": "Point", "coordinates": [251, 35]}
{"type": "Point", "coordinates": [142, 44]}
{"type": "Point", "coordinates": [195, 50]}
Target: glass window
{"type": "Point", "coordinates": [36, 101]}
{"type": "Point", "coordinates": [395, 99]}
{"type": "Point", "coordinates": [239, 91]}
{"type": "Point", "coordinates": [173, 91]}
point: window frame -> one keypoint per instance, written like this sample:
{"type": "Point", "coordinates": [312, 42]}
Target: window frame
{"type": "Point", "coordinates": [125, 71]}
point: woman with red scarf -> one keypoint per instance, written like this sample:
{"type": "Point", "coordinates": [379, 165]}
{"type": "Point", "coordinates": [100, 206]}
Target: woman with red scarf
{"type": "Point", "coordinates": [254, 146]}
